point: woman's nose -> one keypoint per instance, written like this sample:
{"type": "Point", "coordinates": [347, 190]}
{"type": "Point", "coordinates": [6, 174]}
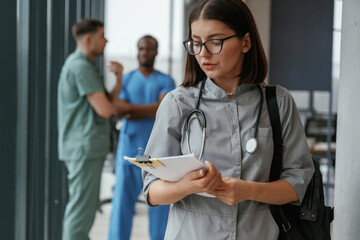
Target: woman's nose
{"type": "Point", "coordinates": [204, 52]}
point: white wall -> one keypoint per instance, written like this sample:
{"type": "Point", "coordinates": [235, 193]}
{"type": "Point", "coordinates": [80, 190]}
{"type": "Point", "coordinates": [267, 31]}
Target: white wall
{"type": "Point", "coordinates": [261, 10]}
{"type": "Point", "coordinates": [127, 21]}
{"type": "Point", "coordinates": [347, 177]}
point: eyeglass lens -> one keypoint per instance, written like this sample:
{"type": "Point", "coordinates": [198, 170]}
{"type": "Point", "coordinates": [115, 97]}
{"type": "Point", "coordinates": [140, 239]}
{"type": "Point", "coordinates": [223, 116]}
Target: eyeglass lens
{"type": "Point", "coordinates": [212, 46]}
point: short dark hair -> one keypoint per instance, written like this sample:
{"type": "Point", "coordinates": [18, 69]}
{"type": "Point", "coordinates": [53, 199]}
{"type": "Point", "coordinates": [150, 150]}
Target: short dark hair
{"type": "Point", "coordinates": [150, 37]}
{"type": "Point", "coordinates": [85, 26]}
{"type": "Point", "coordinates": [237, 16]}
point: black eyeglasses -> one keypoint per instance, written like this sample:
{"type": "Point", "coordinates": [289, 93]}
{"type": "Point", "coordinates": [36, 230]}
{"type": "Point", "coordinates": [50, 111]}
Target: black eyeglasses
{"type": "Point", "coordinates": [213, 46]}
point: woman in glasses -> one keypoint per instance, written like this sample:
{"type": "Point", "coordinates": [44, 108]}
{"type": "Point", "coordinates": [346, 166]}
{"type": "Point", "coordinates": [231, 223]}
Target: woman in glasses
{"type": "Point", "coordinates": [224, 78]}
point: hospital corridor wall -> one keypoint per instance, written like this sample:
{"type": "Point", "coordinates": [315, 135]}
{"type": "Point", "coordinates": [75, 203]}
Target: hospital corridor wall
{"type": "Point", "coordinates": [35, 40]}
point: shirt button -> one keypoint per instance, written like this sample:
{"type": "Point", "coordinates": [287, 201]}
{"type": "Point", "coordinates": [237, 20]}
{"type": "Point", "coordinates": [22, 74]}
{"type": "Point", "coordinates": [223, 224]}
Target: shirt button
{"type": "Point", "coordinates": [237, 168]}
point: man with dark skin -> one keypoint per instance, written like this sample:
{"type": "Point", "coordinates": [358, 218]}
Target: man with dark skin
{"type": "Point", "coordinates": [142, 91]}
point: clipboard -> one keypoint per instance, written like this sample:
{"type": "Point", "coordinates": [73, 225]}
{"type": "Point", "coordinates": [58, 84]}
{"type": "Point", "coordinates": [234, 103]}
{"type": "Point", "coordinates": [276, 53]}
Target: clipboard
{"type": "Point", "coordinates": [171, 169]}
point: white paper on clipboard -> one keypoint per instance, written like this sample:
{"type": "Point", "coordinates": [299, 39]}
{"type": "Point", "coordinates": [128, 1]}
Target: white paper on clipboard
{"type": "Point", "coordinates": [175, 167]}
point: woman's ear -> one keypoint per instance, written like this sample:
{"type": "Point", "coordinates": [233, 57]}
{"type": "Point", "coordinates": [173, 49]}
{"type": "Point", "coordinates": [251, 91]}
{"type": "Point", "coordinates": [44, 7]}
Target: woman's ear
{"type": "Point", "coordinates": [246, 43]}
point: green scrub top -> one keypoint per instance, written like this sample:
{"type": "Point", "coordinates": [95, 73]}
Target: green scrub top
{"type": "Point", "coordinates": [83, 134]}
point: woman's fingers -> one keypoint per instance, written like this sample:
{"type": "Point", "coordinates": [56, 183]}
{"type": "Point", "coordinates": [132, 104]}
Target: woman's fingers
{"type": "Point", "coordinates": [212, 178]}
{"type": "Point", "coordinates": [195, 174]}
{"type": "Point", "coordinates": [210, 166]}
{"type": "Point", "coordinates": [191, 182]}
{"type": "Point", "coordinates": [202, 181]}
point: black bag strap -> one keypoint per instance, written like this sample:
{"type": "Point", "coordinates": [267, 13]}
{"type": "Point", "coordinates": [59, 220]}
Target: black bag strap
{"type": "Point", "coordinates": [276, 165]}
{"type": "Point", "coordinates": [312, 206]}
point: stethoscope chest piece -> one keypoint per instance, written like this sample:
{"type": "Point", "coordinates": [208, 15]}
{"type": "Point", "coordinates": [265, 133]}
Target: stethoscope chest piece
{"type": "Point", "coordinates": [251, 145]}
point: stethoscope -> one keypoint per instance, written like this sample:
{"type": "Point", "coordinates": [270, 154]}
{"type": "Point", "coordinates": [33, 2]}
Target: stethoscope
{"type": "Point", "coordinates": [196, 113]}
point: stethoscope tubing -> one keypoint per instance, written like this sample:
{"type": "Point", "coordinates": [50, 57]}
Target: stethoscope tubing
{"type": "Point", "coordinates": [200, 115]}
{"type": "Point", "coordinates": [256, 126]}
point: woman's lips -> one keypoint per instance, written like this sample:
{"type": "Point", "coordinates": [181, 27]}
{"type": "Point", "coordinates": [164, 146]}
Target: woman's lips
{"type": "Point", "coordinates": [208, 66]}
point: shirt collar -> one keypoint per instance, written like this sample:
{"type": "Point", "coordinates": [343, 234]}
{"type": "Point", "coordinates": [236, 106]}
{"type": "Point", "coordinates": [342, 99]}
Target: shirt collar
{"type": "Point", "coordinates": [218, 92]}
{"type": "Point", "coordinates": [82, 55]}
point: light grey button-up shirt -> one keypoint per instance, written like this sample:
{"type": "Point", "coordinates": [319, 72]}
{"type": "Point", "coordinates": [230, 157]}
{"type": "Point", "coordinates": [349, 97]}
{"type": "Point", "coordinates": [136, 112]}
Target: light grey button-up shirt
{"type": "Point", "coordinates": [230, 124]}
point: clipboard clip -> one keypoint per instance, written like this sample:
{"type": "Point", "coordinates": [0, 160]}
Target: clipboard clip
{"type": "Point", "coordinates": [142, 158]}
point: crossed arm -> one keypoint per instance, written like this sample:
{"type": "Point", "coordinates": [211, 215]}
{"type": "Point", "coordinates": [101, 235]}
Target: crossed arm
{"type": "Point", "coordinates": [106, 106]}
{"type": "Point", "coordinates": [134, 111]}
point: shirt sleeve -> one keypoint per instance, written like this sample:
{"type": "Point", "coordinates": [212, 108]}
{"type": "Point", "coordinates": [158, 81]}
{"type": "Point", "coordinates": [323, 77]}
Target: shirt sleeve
{"type": "Point", "coordinates": [88, 79]}
{"type": "Point", "coordinates": [168, 85]}
{"type": "Point", "coordinates": [165, 136]}
{"type": "Point", "coordinates": [298, 167]}
{"type": "Point", "coordinates": [124, 95]}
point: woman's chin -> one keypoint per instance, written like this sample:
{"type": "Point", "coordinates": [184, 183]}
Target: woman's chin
{"type": "Point", "coordinates": [211, 74]}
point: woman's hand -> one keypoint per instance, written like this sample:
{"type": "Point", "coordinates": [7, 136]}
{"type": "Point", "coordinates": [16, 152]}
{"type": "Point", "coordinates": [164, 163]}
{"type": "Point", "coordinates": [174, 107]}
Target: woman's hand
{"type": "Point", "coordinates": [232, 191]}
{"type": "Point", "coordinates": [163, 192]}
{"type": "Point", "coordinates": [199, 181]}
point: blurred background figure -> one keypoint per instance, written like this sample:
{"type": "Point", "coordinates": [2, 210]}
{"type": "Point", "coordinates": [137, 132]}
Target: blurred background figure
{"type": "Point", "coordinates": [84, 107]}
{"type": "Point", "coordinates": [142, 91]}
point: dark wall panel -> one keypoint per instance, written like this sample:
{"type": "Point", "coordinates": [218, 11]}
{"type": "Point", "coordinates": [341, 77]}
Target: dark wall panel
{"type": "Point", "coordinates": [8, 118]}
{"type": "Point", "coordinates": [36, 40]}
{"type": "Point", "coordinates": [37, 118]}
{"type": "Point", "coordinates": [55, 170]}
{"type": "Point", "coordinates": [301, 44]}
{"type": "Point", "coordinates": [72, 14]}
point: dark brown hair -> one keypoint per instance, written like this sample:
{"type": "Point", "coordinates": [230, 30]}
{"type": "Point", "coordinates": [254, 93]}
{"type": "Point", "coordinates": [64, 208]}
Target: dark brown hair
{"type": "Point", "coordinates": [85, 26]}
{"type": "Point", "coordinates": [237, 16]}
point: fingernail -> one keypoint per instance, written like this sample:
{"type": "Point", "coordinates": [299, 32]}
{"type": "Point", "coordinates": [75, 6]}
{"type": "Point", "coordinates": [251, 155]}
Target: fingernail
{"type": "Point", "coordinates": [202, 172]}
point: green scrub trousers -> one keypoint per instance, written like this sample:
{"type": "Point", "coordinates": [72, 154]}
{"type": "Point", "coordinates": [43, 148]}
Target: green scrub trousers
{"type": "Point", "coordinates": [84, 187]}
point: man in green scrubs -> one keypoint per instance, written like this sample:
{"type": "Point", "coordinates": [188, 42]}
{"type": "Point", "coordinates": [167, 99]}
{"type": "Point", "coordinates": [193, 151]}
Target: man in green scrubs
{"type": "Point", "coordinates": [84, 107]}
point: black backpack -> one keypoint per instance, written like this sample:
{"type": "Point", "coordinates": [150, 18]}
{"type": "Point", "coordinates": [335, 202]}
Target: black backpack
{"type": "Point", "coordinates": [311, 220]}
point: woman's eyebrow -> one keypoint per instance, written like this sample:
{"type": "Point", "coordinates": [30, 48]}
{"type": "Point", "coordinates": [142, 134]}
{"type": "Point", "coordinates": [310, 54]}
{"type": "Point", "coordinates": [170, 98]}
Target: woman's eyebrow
{"type": "Point", "coordinates": [210, 36]}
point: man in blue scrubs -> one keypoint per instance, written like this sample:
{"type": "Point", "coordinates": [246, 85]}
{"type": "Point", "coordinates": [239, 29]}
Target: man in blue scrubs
{"type": "Point", "coordinates": [142, 91]}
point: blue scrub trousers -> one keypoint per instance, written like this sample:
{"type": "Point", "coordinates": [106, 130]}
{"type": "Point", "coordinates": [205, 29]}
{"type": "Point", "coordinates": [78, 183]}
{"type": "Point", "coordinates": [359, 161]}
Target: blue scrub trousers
{"type": "Point", "coordinates": [127, 189]}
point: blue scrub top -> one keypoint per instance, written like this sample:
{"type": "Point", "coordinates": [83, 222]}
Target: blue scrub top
{"type": "Point", "coordinates": [141, 90]}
